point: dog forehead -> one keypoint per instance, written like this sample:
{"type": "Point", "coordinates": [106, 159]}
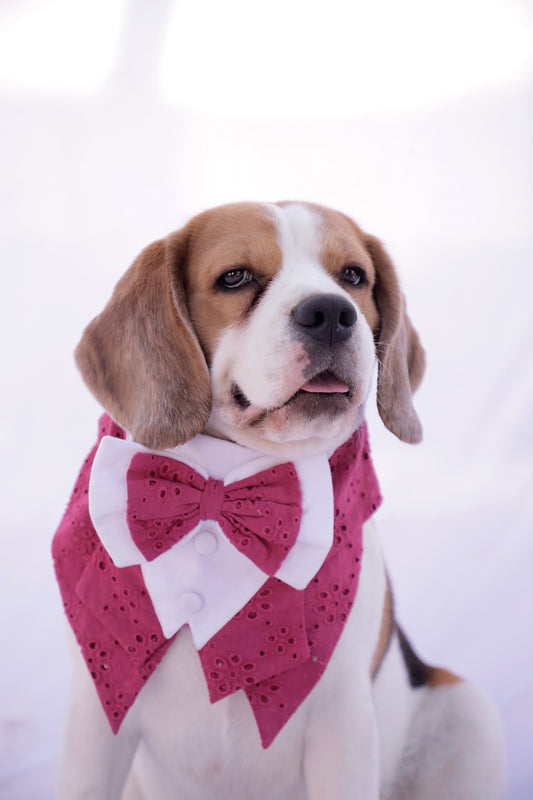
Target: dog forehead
{"type": "Point", "coordinates": [297, 230]}
{"type": "Point", "coordinates": [290, 237]}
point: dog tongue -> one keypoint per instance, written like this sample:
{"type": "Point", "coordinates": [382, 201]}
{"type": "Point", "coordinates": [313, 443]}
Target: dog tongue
{"type": "Point", "coordinates": [325, 383]}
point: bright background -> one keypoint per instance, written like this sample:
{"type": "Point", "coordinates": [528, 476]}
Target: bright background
{"type": "Point", "coordinates": [118, 120]}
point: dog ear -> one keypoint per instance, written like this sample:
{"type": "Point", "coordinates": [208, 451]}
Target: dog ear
{"type": "Point", "coordinates": [140, 357]}
{"type": "Point", "coordinates": [401, 358]}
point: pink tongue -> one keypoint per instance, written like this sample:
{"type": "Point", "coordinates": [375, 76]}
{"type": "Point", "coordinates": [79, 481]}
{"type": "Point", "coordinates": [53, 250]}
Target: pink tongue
{"type": "Point", "coordinates": [325, 385]}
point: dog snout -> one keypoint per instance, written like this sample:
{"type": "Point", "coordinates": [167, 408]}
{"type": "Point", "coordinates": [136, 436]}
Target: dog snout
{"type": "Point", "coordinates": [326, 318]}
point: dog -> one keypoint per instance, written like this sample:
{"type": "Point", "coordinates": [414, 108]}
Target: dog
{"type": "Point", "coordinates": [253, 333]}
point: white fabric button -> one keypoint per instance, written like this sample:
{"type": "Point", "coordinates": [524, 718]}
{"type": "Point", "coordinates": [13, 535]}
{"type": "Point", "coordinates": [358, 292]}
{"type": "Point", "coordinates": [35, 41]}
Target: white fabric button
{"type": "Point", "coordinates": [205, 543]}
{"type": "Point", "coordinates": [191, 602]}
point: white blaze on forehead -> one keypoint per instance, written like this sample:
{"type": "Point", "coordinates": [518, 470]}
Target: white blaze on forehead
{"type": "Point", "coordinates": [297, 230]}
{"type": "Point", "coordinates": [299, 234]}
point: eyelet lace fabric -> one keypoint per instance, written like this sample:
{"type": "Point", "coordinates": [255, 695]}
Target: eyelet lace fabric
{"type": "Point", "coordinates": [275, 648]}
{"type": "Point", "coordinates": [167, 499]}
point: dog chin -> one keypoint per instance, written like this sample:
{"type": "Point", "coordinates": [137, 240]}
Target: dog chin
{"type": "Point", "coordinates": [289, 431]}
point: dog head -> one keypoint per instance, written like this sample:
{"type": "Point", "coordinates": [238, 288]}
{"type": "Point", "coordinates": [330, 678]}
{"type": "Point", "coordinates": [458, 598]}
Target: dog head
{"type": "Point", "coordinates": [258, 323]}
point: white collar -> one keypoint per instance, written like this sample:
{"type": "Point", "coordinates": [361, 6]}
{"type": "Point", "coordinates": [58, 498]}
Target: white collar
{"type": "Point", "coordinates": [203, 580]}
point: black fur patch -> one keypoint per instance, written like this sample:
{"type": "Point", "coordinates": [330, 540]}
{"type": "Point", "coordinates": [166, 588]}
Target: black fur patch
{"type": "Point", "coordinates": [419, 673]}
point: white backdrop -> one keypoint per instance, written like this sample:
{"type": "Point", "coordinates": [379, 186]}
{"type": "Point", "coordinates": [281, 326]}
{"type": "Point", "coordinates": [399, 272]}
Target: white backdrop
{"type": "Point", "coordinates": [118, 120]}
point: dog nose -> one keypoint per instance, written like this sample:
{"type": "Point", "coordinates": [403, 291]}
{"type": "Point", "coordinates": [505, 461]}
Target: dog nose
{"type": "Point", "coordinates": [327, 318]}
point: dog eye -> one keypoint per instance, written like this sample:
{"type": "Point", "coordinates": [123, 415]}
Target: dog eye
{"type": "Point", "coordinates": [235, 278]}
{"type": "Point", "coordinates": [355, 276]}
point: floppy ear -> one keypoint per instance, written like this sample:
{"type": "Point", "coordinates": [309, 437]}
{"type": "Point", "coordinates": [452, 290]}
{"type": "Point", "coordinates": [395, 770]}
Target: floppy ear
{"type": "Point", "coordinates": [140, 357]}
{"type": "Point", "coordinates": [401, 358]}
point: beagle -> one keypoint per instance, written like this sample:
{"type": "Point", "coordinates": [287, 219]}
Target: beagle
{"type": "Point", "coordinates": [256, 659]}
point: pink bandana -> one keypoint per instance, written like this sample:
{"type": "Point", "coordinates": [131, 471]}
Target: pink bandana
{"type": "Point", "coordinates": [275, 648]}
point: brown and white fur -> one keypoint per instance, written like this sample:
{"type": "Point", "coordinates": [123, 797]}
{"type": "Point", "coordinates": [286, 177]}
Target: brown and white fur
{"type": "Point", "coordinates": [209, 330]}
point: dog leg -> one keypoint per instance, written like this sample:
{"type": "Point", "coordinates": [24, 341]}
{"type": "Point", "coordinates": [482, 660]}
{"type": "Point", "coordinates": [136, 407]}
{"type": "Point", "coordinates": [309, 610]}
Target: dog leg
{"type": "Point", "coordinates": [341, 760]}
{"type": "Point", "coordinates": [133, 789]}
{"type": "Point", "coordinates": [342, 751]}
{"type": "Point", "coordinates": [93, 761]}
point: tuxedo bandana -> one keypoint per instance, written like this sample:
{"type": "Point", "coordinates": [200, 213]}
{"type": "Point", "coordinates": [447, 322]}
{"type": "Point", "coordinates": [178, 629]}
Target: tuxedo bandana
{"type": "Point", "coordinates": [263, 567]}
